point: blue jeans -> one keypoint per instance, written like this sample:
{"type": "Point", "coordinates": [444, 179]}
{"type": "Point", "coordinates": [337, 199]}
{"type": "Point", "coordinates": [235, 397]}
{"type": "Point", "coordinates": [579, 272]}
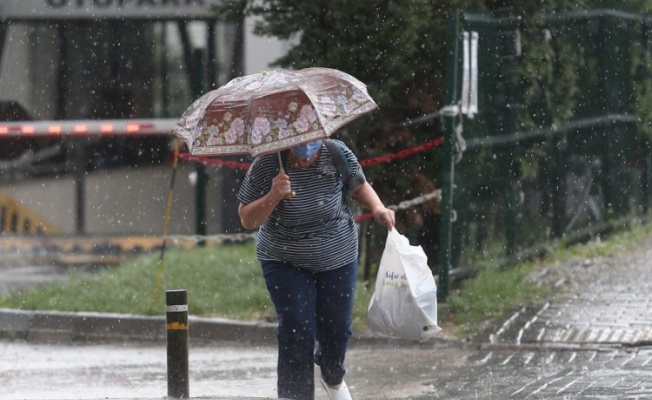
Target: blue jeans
{"type": "Point", "coordinates": [310, 305]}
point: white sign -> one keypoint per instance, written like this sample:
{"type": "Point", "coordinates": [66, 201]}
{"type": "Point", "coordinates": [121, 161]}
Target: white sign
{"type": "Point", "coordinates": [105, 9]}
{"type": "Point", "coordinates": [469, 100]}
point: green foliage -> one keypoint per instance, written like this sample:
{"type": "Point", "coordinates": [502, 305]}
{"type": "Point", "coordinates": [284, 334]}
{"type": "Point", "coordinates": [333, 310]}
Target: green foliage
{"type": "Point", "coordinates": [548, 75]}
{"type": "Point", "coordinates": [641, 6]}
{"type": "Point", "coordinates": [363, 296]}
{"type": "Point", "coordinates": [394, 47]}
{"type": "Point", "coordinates": [626, 235]}
{"type": "Point", "coordinates": [641, 72]}
{"type": "Point", "coordinates": [488, 296]}
{"type": "Point", "coordinates": [222, 281]}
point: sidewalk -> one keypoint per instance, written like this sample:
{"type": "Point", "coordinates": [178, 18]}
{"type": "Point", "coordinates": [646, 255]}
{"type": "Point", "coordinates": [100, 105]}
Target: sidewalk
{"type": "Point", "coordinates": [605, 302]}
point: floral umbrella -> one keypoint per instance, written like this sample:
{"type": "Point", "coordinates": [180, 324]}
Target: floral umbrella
{"type": "Point", "coordinates": [271, 111]}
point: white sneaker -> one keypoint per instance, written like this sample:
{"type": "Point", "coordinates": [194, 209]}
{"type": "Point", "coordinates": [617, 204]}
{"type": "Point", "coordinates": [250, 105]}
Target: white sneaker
{"type": "Point", "coordinates": [341, 393]}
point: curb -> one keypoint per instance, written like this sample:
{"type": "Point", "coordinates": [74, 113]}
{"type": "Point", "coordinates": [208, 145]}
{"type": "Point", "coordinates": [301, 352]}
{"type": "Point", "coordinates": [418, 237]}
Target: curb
{"type": "Point", "coordinates": [56, 326]}
{"type": "Point", "coordinates": [62, 327]}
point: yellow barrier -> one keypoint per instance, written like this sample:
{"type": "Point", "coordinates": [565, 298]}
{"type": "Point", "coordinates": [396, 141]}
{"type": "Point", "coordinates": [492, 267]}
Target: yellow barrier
{"type": "Point", "coordinates": [93, 244]}
{"type": "Point", "coordinates": [15, 218]}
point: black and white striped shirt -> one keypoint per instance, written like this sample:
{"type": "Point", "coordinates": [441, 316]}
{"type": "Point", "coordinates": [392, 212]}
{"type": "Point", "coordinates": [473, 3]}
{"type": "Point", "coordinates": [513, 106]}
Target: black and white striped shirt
{"type": "Point", "coordinates": [315, 230]}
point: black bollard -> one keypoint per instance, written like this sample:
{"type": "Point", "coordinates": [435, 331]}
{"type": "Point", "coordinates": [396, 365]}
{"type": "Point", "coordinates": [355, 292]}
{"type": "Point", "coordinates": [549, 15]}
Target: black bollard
{"type": "Point", "coordinates": [176, 302]}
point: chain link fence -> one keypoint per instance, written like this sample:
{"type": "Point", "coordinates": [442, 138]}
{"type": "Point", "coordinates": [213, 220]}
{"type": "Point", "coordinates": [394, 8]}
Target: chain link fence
{"type": "Point", "coordinates": [559, 148]}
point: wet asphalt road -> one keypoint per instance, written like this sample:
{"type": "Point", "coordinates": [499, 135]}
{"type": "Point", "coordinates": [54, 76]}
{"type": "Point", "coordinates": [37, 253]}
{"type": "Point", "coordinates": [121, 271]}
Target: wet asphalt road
{"type": "Point", "coordinates": [101, 371]}
{"type": "Point", "coordinates": [94, 371]}
{"type": "Point", "coordinates": [592, 342]}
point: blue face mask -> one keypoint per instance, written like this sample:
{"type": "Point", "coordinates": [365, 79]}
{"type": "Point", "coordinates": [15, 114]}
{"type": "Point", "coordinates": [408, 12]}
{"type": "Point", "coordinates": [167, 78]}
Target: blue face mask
{"type": "Point", "coordinates": [306, 150]}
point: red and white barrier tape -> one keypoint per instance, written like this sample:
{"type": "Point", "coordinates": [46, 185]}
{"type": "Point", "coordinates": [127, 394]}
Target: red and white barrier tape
{"type": "Point", "coordinates": [365, 163]}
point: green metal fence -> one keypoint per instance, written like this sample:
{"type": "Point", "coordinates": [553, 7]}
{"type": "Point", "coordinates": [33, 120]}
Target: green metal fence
{"type": "Point", "coordinates": [558, 149]}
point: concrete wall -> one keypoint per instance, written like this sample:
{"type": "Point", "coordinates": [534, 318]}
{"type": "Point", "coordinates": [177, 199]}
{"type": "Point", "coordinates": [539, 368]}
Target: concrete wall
{"type": "Point", "coordinates": [127, 201]}
{"type": "Point", "coordinates": [260, 51]}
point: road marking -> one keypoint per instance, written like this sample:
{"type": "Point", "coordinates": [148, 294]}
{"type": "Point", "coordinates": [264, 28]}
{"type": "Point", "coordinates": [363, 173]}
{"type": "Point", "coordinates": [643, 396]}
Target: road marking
{"type": "Point", "coordinates": [590, 385]}
{"type": "Point", "coordinates": [636, 385]}
{"type": "Point", "coordinates": [628, 360]}
{"type": "Point", "coordinates": [617, 382]}
{"type": "Point", "coordinates": [522, 389]}
{"type": "Point", "coordinates": [486, 359]}
{"type": "Point", "coordinates": [545, 385]}
{"type": "Point", "coordinates": [505, 325]}
{"type": "Point", "coordinates": [595, 353]}
{"type": "Point", "coordinates": [572, 357]}
{"type": "Point", "coordinates": [569, 385]}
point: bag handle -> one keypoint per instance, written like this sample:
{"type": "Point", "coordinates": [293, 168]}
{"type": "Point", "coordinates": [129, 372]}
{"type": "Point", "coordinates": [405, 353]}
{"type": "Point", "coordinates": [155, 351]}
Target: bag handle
{"type": "Point", "coordinates": [395, 237]}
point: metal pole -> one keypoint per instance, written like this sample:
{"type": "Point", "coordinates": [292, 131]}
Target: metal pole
{"type": "Point", "coordinates": [448, 166]}
{"type": "Point", "coordinates": [645, 176]}
{"type": "Point", "coordinates": [558, 187]}
{"type": "Point", "coordinates": [198, 87]}
{"type": "Point", "coordinates": [79, 160]}
{"type": "Point", "coordinates": [511, 178]}
{"type": "Point", "coordinates": [177, 342]}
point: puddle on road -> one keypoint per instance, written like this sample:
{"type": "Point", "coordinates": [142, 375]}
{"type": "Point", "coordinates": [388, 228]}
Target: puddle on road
{"type": "Point", "coordinates": [39, 371]}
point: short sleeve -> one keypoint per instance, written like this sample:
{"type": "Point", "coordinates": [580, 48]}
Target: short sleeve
{"type": "Point", "coordinates": [356, 174]}
{"type": "Point", "coordinates": [257, 181]}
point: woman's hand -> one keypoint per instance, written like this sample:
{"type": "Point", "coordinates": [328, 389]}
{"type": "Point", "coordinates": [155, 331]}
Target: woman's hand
{"type": "Point", "coordinates": [367, 197]}
{"type": "Point", "coordinates": [254, 214]}
{"type": "Point", "coordinates": [281, 187]}
{"type": "Point", "coordinates": [384, 216]}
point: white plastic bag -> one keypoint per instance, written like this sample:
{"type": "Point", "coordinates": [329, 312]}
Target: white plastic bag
{"type": "Point", "coordinates": [404, 303]}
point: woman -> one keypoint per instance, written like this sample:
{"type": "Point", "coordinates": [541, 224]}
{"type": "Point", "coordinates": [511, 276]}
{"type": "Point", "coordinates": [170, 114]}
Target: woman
{"type": "Point", "coordinates": [308, 249]}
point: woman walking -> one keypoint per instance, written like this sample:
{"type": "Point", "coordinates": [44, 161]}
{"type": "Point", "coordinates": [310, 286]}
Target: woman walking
{"type": "Point", "coordinates": [308, 249]}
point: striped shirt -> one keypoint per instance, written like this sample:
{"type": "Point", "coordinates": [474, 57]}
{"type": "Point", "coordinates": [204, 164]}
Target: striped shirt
{"type": "Point", "coordinates": [315, 230]}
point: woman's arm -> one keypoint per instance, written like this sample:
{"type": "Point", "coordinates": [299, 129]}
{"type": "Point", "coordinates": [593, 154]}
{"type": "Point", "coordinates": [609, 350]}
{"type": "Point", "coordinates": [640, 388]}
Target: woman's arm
{"type": "Point", "coordinates": [255, 214]}
{"type": "Point", "coordinates": [367, 197]}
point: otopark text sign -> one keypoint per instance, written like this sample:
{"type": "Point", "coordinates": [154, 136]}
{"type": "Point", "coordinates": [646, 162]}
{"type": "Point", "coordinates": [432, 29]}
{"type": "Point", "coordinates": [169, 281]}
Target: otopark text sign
{"type": "Point", "coordinates": [105, 9]}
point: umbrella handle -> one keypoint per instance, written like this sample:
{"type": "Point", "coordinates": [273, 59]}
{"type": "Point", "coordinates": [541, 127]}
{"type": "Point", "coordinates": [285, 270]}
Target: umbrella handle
{"type": "Point", "coordinates": [292, 194]}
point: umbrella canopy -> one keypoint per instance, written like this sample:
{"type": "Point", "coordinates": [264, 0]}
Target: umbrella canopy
{"type": "Point", "coordinates": [271, 111]}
